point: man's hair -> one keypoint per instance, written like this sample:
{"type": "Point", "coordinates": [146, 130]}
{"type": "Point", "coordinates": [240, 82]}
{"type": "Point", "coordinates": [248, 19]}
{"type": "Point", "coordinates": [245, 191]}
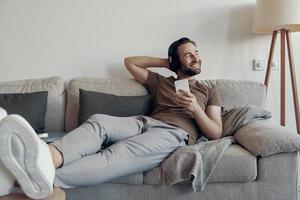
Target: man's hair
{"type": "Point", "coordinates": [173, 56]}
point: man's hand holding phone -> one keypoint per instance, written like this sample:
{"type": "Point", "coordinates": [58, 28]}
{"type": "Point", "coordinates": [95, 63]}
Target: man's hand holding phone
{"type": "Point", "coordinates": [182, 85]}
{"type": "Point", "coordinates": [184, 97]}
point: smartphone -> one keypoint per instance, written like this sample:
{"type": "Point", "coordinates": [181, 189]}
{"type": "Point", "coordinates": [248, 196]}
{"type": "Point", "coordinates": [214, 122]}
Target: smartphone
{"type": "Point", "coordinates": [182, 85]}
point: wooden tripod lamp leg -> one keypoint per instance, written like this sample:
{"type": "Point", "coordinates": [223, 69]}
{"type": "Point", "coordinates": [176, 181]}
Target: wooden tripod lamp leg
{"type": "Point", "coordinates": [282, 77]}
{"type": "Point", "coordinates": [293, 80]}
{"type": "Point", "coordinates": [270, 59]}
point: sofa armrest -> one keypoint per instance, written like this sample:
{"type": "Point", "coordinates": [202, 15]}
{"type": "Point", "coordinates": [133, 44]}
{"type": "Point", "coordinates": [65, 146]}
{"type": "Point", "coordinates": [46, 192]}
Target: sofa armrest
{"type": "Point", "coordinates": [262, 138]}
{"type": "Point", "coordinates": [277, 176]}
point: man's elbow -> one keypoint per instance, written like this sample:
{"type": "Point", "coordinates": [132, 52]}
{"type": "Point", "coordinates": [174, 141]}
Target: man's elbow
{"type": "Point", "coordinates": [127, 61]}
{"type": "Point", "coordinates": [217, 134]}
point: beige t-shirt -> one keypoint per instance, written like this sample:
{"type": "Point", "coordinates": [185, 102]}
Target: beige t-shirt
{"type": "Point", "coordinates": [166, 108]}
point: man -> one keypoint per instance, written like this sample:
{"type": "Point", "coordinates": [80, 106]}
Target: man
{"type": "Point", "coordinates": [78, 158]}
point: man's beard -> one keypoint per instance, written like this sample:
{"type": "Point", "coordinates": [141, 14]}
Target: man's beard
{"type": "Point", "coordinates": [191, 71]}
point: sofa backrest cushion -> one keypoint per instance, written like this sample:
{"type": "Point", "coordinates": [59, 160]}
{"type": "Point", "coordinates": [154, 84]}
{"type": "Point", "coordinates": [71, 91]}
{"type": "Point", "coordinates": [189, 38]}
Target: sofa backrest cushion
{"type": "Point", "coordinates": [91, 102]}
{"type": "Point", "coordinates": [233, 93]}
{"type": "Point", "coordinates": [116, 86]}
{"type": "Point", "coordinates": [32, 106]}
{"type": "Point", "coordinates": [54, 119]}
{"type": "Point", "coordinates": [239, 92]}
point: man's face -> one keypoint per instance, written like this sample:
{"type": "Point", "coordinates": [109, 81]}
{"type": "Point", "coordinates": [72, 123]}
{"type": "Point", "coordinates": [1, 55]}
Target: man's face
{"type": "Point", "coordinates": [189, 59]}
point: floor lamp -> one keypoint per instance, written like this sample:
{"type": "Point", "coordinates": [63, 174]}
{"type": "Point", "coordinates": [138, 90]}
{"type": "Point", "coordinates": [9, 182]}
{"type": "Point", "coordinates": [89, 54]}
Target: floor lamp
{"type": "Point", "coordinates": [273, 17]}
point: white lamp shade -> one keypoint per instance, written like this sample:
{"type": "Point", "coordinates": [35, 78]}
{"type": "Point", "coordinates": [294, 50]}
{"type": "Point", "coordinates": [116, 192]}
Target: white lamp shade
{"type": "Point", "coordinates": [273, 15]}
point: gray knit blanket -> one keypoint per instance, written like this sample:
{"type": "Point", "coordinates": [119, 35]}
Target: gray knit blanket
{"type": "Point", "coordinates": [195, 162]}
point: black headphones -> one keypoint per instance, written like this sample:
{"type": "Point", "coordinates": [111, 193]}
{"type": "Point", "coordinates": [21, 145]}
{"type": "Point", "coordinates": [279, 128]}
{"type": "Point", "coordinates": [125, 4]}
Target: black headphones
{"type": "Point", "coordinates": [174, 62]}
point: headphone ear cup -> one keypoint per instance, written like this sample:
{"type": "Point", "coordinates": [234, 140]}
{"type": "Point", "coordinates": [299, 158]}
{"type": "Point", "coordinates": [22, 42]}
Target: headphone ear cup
{"type": "Point", "coordinates": [170, 60]}
{"type": "Point", "coordinates": [175, 63]}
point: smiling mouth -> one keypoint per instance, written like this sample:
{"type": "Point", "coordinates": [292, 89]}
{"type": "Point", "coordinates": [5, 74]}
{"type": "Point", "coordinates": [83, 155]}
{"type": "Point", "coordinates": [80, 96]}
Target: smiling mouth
{"type": "Point", "coordinates": [195, 66]}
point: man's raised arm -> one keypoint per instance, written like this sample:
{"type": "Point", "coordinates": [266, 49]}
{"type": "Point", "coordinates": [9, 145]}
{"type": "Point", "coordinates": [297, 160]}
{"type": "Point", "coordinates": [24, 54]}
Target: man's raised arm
{"type": "Point", "coordinates": [137, 66]}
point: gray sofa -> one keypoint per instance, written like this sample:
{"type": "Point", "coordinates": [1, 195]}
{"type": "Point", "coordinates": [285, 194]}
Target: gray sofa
{"type": "Point", "coordinates": [239, 174]}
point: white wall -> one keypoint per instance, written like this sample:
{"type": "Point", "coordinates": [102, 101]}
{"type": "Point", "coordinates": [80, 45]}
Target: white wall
{"type": "Point", "coordinates": [71, 38]}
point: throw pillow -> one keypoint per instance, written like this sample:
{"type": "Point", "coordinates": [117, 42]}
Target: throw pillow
{"type": "Point", "coordinates": [262, 138]}
{"type": "Point", "coordinates": [91, 102]}
{"type": "Point", "coordinates": [31, 106]}
{"type": "Point", "coordinates": [235, 118]}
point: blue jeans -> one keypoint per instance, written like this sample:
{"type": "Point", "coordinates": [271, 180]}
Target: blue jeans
{"type": "Point", "coordinates": [107, 147]}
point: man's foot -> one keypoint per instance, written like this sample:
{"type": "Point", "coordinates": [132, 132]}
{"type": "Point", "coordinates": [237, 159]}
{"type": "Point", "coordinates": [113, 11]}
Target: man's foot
{"type": "Point", "coordinates": [27, 157]}
{"type": "Point", "coordinates": [56, 156]}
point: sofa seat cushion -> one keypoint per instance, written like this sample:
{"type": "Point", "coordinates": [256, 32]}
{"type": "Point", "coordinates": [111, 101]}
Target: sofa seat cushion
{"type": "Point", "coordinates": [53, 136]}
{"type": "Point", "coordinates": [134, 179]}
{"type": "Point", "coordinates": [236, 165]}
